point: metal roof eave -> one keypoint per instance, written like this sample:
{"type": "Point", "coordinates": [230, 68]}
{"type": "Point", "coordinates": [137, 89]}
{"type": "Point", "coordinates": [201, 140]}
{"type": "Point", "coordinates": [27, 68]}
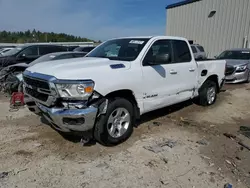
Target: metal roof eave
{"type": "Point", "coordinates": [181, 3]}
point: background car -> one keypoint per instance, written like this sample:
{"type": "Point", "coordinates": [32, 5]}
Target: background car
{"type": "Point", "coordinates": [11, 76]}
{"type": "Point", "coordinates": [1, 47]}
{"type": "Point", "coordinates": [198, 51]}
{"type": "Point", "coordinates": [3, 50]}
{"type": "Point", "coordinates": [84, 49]}
{"type": "Point", "coordinates": [238, 65]}
{"type": "Point", "coordinates": [27, 53]}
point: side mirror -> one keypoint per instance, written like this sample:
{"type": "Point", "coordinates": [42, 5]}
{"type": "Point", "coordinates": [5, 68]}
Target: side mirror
{"type": "Point", "coordinates": [160, 59]}
{"type": "Point", "coordinates": [21, 56]}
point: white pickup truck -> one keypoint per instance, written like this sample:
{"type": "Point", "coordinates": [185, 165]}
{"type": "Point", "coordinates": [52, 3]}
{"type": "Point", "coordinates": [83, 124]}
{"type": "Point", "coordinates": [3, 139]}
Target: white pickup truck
{"type": "Point", "coordinates": [107, 91]}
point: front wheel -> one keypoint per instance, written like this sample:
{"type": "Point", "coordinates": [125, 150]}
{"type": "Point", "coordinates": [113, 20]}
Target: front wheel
{"type": "Point", "coordinates": [208, 93]}
{"type": "Point", "coordinates": [117, 124]}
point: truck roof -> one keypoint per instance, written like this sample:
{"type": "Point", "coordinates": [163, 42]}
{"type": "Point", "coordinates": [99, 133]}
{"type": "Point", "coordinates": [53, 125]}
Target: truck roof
{"type": "Point", "coordinates": [149, 37]}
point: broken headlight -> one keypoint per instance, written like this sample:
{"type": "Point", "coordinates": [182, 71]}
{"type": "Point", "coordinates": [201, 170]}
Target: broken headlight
{"type": "Point", "coordinates": [81, 90]}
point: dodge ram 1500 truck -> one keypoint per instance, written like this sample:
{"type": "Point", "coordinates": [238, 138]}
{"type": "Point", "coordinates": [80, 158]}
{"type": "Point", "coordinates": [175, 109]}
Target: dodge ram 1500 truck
{"type": "Point", "coordinates": [107, 91]}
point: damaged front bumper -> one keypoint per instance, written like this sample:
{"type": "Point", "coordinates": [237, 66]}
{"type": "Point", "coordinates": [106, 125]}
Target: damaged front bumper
{"type": "Point", "coordinates": [70, 120]}
{"type": "Point", "coordinates": [31, 105]}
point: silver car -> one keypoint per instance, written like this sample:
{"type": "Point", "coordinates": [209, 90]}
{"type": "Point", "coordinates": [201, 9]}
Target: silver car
{"type": "Point", "coordinates": [238, 65]}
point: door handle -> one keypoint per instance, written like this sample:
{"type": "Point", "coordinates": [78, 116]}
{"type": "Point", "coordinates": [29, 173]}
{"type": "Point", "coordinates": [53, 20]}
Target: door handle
{"type": "Point", "coordinates": [191, 70]}
{"type": "Point", "coordinates": [173, 72]}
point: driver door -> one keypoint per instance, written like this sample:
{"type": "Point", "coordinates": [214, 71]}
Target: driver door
{"type": "Point", "coordinates": [160, 77]}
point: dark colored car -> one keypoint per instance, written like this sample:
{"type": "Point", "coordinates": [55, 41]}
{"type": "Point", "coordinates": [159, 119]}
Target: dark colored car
{"type": "Point", "coordinates": [27, 53]}
{"type": "Point", "coordinates": [57, 56]}
{"type": "Point", "coordinates": [85, 49]}
{"type": "Point", "coordinates": [9, 80]}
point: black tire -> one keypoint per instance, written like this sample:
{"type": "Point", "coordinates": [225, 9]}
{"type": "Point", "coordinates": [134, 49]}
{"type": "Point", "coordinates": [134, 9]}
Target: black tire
{"type": "Point", "coordinates": [101, 133]}
{"type": "Point", "coordinates": [203, 98]}
{"type": "Point", "coordinates": [248, 78]}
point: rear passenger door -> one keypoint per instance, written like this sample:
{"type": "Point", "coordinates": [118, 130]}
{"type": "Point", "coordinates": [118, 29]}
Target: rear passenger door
{"type": "Point", "coordinates": [186, 69]}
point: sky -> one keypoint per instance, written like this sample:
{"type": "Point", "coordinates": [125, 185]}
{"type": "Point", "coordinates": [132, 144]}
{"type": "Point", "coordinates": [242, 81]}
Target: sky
{"type": "Point", "coordinates": [94, 19]}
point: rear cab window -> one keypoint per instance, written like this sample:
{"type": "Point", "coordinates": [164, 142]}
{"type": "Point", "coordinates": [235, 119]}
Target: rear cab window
{"type": "Point", "coordinates": [181, 50]}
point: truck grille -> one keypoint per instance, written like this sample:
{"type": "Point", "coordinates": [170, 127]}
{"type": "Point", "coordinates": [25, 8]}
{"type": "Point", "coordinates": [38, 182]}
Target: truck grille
{"type": "Point", "coordinates": [229, 70]}
{"type": "Point", "coordinates": [36, 83]}
{"type": "Point", "coordinates": [36, 94]}
{"type": "Point", "coordinates": [39, 90]}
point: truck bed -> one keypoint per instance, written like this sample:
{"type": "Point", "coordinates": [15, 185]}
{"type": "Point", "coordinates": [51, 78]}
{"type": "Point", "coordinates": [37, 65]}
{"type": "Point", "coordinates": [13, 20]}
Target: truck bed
{"type": "Point", "coordinates": [212, 67]}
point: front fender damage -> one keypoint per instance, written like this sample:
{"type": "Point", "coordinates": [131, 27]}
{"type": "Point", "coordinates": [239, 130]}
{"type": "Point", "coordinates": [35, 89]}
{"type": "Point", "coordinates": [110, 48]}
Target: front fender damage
{"type": "Point", "coordinates": [100, 102]}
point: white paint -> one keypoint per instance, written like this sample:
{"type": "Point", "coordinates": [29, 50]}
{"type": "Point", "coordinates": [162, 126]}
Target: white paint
{"type": "Point", "coordinates": [142, 80]}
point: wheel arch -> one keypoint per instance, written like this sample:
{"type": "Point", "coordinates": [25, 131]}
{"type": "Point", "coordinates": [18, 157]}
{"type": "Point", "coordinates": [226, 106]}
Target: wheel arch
{"type": "Point", "coordinates": [213, 78]}
{"type": "Point", "coordinates": [129, 95]}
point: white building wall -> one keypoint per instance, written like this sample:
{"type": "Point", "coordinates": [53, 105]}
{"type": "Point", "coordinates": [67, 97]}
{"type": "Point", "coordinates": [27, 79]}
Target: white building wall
{"type": "Point", "coordinates": [226, 29]}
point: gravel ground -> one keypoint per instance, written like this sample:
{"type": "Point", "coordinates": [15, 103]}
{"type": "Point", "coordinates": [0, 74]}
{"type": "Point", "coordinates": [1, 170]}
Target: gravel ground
{"type": "Point", "coordinates": [189, 149]}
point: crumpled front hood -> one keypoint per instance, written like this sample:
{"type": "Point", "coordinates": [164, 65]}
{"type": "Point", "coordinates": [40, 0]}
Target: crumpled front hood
{"type": "Point", "coordinates": [236, 62]}
{"type": "Point", "coordinates": [79, 68]}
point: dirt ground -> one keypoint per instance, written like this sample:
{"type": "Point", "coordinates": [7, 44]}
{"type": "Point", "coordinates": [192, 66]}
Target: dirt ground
{"type": "Point", "coordinates": [194, 152]}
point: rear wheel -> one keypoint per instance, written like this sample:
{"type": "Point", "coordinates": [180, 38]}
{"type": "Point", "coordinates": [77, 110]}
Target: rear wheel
{"type": "Point", "coordinates": [208, 93]}
{"type": "Point", "coordinates": [117, 124]}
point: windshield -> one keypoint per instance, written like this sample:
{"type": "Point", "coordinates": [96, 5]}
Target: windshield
{"type": "Point", "coordinates": [43, 58]}
{"type": "Point", "coordinates": [120, 49]}
{"type": "Point", "coordinates": [13, 51]}
{"type": "Point", "coordinates": [242, 55]}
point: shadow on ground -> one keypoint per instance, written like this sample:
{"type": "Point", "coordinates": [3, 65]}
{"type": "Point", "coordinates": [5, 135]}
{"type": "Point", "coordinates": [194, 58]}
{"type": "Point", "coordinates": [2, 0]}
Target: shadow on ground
{"type": "Point", "coordinates": [81, 137]}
